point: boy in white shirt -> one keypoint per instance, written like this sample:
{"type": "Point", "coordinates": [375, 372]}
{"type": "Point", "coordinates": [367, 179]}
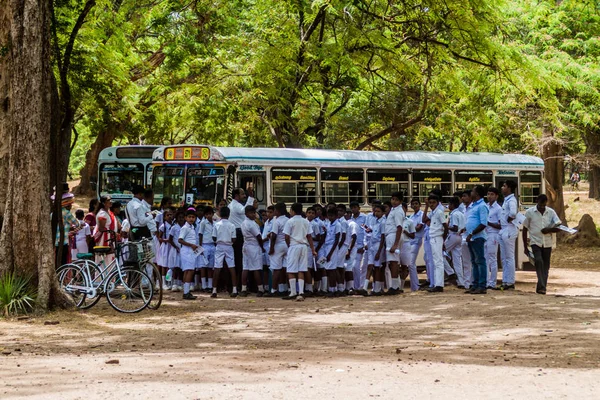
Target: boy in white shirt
{"type": "Point", "coordinates": [83, 237]}
{"type": "Point", "coordinates": [438, 230]}
{"type": "Point", "coordinates": [453, 242]}
{"type": "Point", "coordinates": [278, 250]}
{"type": "Point", "coordinates": [316, 229]}
{"type": "Point", "coordinates": [393, 239]}
{"type": "Point", "coordinates": [224, 235]}
{"type": "Point", "coordinates": [330, 247]}
{"type": "Point", "coordinates": [298, 237]}
{"type": "Point", "coordinates": [252, 251]}
{"type": "Point", "coordinates": [375, 252]}
{"type": "Point", "coordinates": [409, 232]}
{"type": "Point", "coordinates": [492, 231]}
{"type": "Point", "coordinates": [351, 238]}
{"type": "Point", "coordinates": [266, 236]}
{"type": "Point", "coordinates": [342, 250]}
{"type": "Point", "coordinates": [189, 252]}
{"type": "Point", "coordinates": [207, 263]}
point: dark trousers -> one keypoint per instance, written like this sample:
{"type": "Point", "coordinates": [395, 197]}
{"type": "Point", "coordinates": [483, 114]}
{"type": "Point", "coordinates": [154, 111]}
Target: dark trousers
{"type": "Point", "coordinates": [478, 263]}
{"type": "Point", "coordinates": [238, 253]}
{"type": "Point", "coordinates": [542, 266]}
{"type": "Point", "coordinates": [64, 255]}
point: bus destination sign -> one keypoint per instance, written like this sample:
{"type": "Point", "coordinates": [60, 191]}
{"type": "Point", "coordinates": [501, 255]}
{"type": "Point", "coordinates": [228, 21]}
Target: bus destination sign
{"type": "Point", "coordinates": [196, 153]}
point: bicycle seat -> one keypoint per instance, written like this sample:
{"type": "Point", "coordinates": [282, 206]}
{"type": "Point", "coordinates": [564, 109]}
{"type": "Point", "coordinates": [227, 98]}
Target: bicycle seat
{"type": "Point", "coordinates": [85, 256]}
{"type": "Point", "coordinates": [102, 249]}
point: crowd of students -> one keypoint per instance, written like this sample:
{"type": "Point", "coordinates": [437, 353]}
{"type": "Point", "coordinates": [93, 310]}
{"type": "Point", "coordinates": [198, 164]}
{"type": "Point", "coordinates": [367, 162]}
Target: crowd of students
{"type": "Point", "coordinates": [330, 250]}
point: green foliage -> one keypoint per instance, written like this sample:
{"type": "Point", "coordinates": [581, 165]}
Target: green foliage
{"type": "Point", "coordinates": [16, 294]}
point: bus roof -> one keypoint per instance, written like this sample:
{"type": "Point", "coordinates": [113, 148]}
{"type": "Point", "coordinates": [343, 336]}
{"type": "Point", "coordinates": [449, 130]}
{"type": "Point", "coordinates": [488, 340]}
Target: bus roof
{"type": "Point", "coordinates": [127, 152]}
{"type": "Point", "coordinates": [333, 158]}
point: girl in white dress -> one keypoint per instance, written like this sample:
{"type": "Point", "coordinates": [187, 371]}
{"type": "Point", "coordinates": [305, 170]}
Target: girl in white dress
{"type": "Point", "coordinates": [174, 263]}
{"type": "Point", "coordinates": [162, 256]}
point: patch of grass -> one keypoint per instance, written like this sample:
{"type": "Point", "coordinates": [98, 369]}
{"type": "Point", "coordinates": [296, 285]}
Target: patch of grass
{"type": "Point", "coordinates": [16, 294]}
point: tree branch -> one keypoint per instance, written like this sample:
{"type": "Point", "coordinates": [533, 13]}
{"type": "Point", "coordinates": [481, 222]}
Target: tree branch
{"type": "Point", "coordinates": [69, 48]}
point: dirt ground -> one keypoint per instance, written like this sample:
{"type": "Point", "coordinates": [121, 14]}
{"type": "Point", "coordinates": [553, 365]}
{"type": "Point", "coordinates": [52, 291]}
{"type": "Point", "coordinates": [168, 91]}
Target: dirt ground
{"type": "Point", "coordinates": [503, 345]}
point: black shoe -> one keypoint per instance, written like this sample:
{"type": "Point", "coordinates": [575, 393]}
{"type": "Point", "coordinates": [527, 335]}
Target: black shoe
{"type": "Point", "coordinates": [469, 291]}
{"type": "Point", "coordinates": [424, 288]}
{"type": "Point", "coordinates": [268, 294]}
{"type": "Point", "coordinates": [540, 291]}
{"type": "Point", "coordinates": [460, 287]}
{"type": "Point", "coordinates": [289, 297]}
{"type": "Point", "coordinates": [497, 287]}
{"type": "Point", "coordinates": [244, 293]}
{"type": "Point", "coordinates": [308, 293]}
{"type": "Point", "coordinates": [376, 294]}
{"type": "Point", "coordinates": [189, 296]}
{"type": "Point", "coordinates": [213, 296]}
{"type": "Point", "coordinates": [436, 289]}
{"type": "Point", "coordinates": [391, 292]}
{"type": "Point", "coordinates": [329, 294]}
{"type": "Point", "coordinates": [338, 294]}
{"type": "Point", "coordinates": [233, 295]}
{"type": "Point", "coordinates": [479, 291]}
{"type": "Point", "coordinates": [491, 288]}
{"type": "Point", "coordinates": [362, 292]}
{"type": "Point", "coordinates": [425, 284]}
{"type": "Point", "coordinates": [508, 287]}
{"type": "Point", "coordinates": [260, 294]}
{"type": "Point", "coordinates": [351, 292]}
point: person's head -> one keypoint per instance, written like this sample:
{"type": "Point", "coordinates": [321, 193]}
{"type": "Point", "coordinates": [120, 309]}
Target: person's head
{"type": "Point", "coordinates": [332, 214]}
{"type": "Point", "coordinates": [116, 207]}
{"type": "Point", "coordinates": [209, 213]}
{"type": "Point", "coordinates": [509, 187]}
{"type": "Point", "coordinates": [405, 207]}
{"type": "Point", "coordinates": [221, 203]}
{"type": "Point", "coordinates": [239, 194]}
{"type": "Point", "coordinates": [166, 202]}
{"type": "Point", "coordinates": [262, 213]}
{"type": "Point", "coordinates": [434, 201]}
{"type": "Point", "coordinates": [105, 203]}
{"type": "Point", "coordinates": [478, 192]}
{"type": "Point", "coordinates": [542, 201]}
{"type": "Point", "coordinates": [149, 196]}
{"type": "Point", "coordinates": [466, 197]}
{"type": "Point", "coordinates": [93, 205]}
{"type": "Point", "coordinates": [190, 216]}
{"type": "Point", "coordinates": [415, 204]}
{"type": "Point", "coordinates": [168, 215]}
{"type": "Point", "coordinates": [200, 211]}
{"type": "Point", "coordinates": [454, 203]}
{"type": "Point", "coordinates": [180, 217]}
{"type": "Point", "coordinates": [378, 210]}
{"type": "Point", "coordinates": [79, 214]}
{"type": "Point", "coordinates": [224, 212]}
{"type": "Point", "coordinates": [250, 212]}
{"type": "Point", "coordinates": [341, 208]}
{"type": "Point", "coordinates": [387, 207]}
{"type": "Point", "coordinates": [396, 199]}
{"type": "Point", "coordinates": [296, 209]}
{"type": "Point", "coordinates": [318, 210]}
{"type": "Point", "coordinates": [270, 212]}
{"type": "Point", "coordinates": [458, 194]}
{"type": "Point", "coordinates": [355, 208]}
{"type": "Point", "coordinates": [280, 209]}
{"type": "Point", "coordinates": [138, 191]}
{"type": "Point", "coordinates": [310, 213]}
{"type": "Point", "coordinates": [348, 215]}
{"type": "Point", "coordinates": [492, 195]}
{"type": "Point", "coordinates": [437, 192]}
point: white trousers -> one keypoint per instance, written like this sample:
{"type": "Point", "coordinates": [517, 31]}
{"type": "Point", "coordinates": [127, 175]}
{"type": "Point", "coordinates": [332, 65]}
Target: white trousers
{"type": "Point", "coordinates": [360, 269]}
{"type": "Point", "coordinates": [467, 265]}
{"type": "Point", "coordinates": [437, 254]}
{"type": "Point", "coordinates": [412, 268]}
{"type": "Point", "coordinates": [507, 252]}
{"type": "Point", "coordinates": [429, 266]}
{"type": "Point", "coordinates": [454, 247]}
{"type": "Point", "coordinates": [491, 258]}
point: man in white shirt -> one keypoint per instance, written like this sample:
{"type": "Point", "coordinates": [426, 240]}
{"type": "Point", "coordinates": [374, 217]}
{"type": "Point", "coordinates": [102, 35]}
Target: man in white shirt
{"type": "Point", "coordinates": [237, 215]}
{"type": "Point", "coordinates": [438, 230]}
{"type": "Point", "coordinates": [141, 221]}
{"type": "Point", "coordinates": [492, 230]}
{"type": "Point", "coordinates": [540, 222]}
{"type": "Point", "coordinates": [466, 254]}
{"type": "Point", "coordinates": [508, 234]}
{"type": "Point", "coordinates": [393, 240]}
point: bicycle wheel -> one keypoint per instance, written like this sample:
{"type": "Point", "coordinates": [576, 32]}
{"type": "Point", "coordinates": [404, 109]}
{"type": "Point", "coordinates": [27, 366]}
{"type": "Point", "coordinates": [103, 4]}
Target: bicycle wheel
{"type": "Point", "coordinates": [96, 278]}
{"type": "Point", "coordinates": [128, 290]}
{"type": "Point", "coordinates": [157, 286]}
{"type": "Point", "coordinates": [74, 282]}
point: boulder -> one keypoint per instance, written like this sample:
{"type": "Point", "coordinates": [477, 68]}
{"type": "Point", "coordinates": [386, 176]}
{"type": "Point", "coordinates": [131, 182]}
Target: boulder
{"type": "Point", "coordinates": [586, 236]}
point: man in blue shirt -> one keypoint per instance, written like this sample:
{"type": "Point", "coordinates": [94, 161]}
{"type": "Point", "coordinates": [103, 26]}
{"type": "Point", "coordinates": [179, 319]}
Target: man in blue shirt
{"type": "Point", "coordinates": [477, 220]}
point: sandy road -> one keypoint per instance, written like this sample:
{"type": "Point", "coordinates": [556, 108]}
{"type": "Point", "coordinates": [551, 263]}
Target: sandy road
{"type": "Point", "coordinates": [511, 345]}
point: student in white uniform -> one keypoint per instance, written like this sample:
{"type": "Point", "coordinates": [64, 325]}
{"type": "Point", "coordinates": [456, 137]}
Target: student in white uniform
{"type": "Point", "coordinates": [298, 237]}
{"type": "Point", "coordinates": [456, 224]}
{"type": "Point", "coordinates": [360, 260]}
{"type": "Point", "coordinates": [438, 230]}
{"type": "Point", "coordinates": [266, 236]}
{"type": "Point", "coordinates": [508, 234]}
{"type": "Point", "coordinates": [352, 238]}
{"type": "Point", "coordinates": [224, 235]}
{"type": "Point", "coordinates": [189, 252]}
{"type": "Point", "coordinates": [330, 247]}
{"type": "Point", "coordinates": [417, 242]}
{"type": "Point", "coordinates": [278, 251]}
{"type": "Point", "coordinates": [174, 263]}
{"type": "Point", "coordinates": [316, 235]}
{"type": "Point", "coordinates": [83, 237]}
{"type": "Point", "coordinates": [342, 250]}
{"type": "Point", "coordinates": [466, 254]}
{"type": "Point", "coordinates": [252, 252]}
{"type": "Point", "coordinates": [393, 240]}
{"type": "Point", "coordinates": [493, 236]}
{"type": "Point", "coordinates": [321, 282]}
{"type": "Point", "coordinates": [375, 253]}
{"type": "Point", "coordinates": [164, 232]}
{"type": "Point", "coordinates": [409, 232]}
{"type": "Point", "coordinates": [207, 263]}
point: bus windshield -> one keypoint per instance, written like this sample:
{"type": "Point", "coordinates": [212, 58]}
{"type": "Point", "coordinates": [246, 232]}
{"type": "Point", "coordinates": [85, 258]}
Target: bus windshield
{"type": "Point", "coordinates": [118, 178]}
{"type": "Point", "coordinates": [168, 182]}
{"type": "Point", "coordinates": [204, 185]}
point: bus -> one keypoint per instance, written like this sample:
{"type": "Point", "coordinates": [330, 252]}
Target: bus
{"type": "Point", "coordinates": [201, 174]}
{"type": "Point", "coordinates": [122, 167]}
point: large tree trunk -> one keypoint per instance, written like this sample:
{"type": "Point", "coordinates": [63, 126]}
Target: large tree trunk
{"type": "Point", "coordinates": [592, 142]}
{"type": "Point", "coordinates": [552, 153]}
{"type": "Point", "coordinates": [26, 239]}
{"type": "Point", "coordinates": [103, 140]}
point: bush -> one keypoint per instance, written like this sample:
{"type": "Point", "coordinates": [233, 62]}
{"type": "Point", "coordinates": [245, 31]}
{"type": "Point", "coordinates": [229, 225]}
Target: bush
{"type": "Point", "coordinates": [16, 294]}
